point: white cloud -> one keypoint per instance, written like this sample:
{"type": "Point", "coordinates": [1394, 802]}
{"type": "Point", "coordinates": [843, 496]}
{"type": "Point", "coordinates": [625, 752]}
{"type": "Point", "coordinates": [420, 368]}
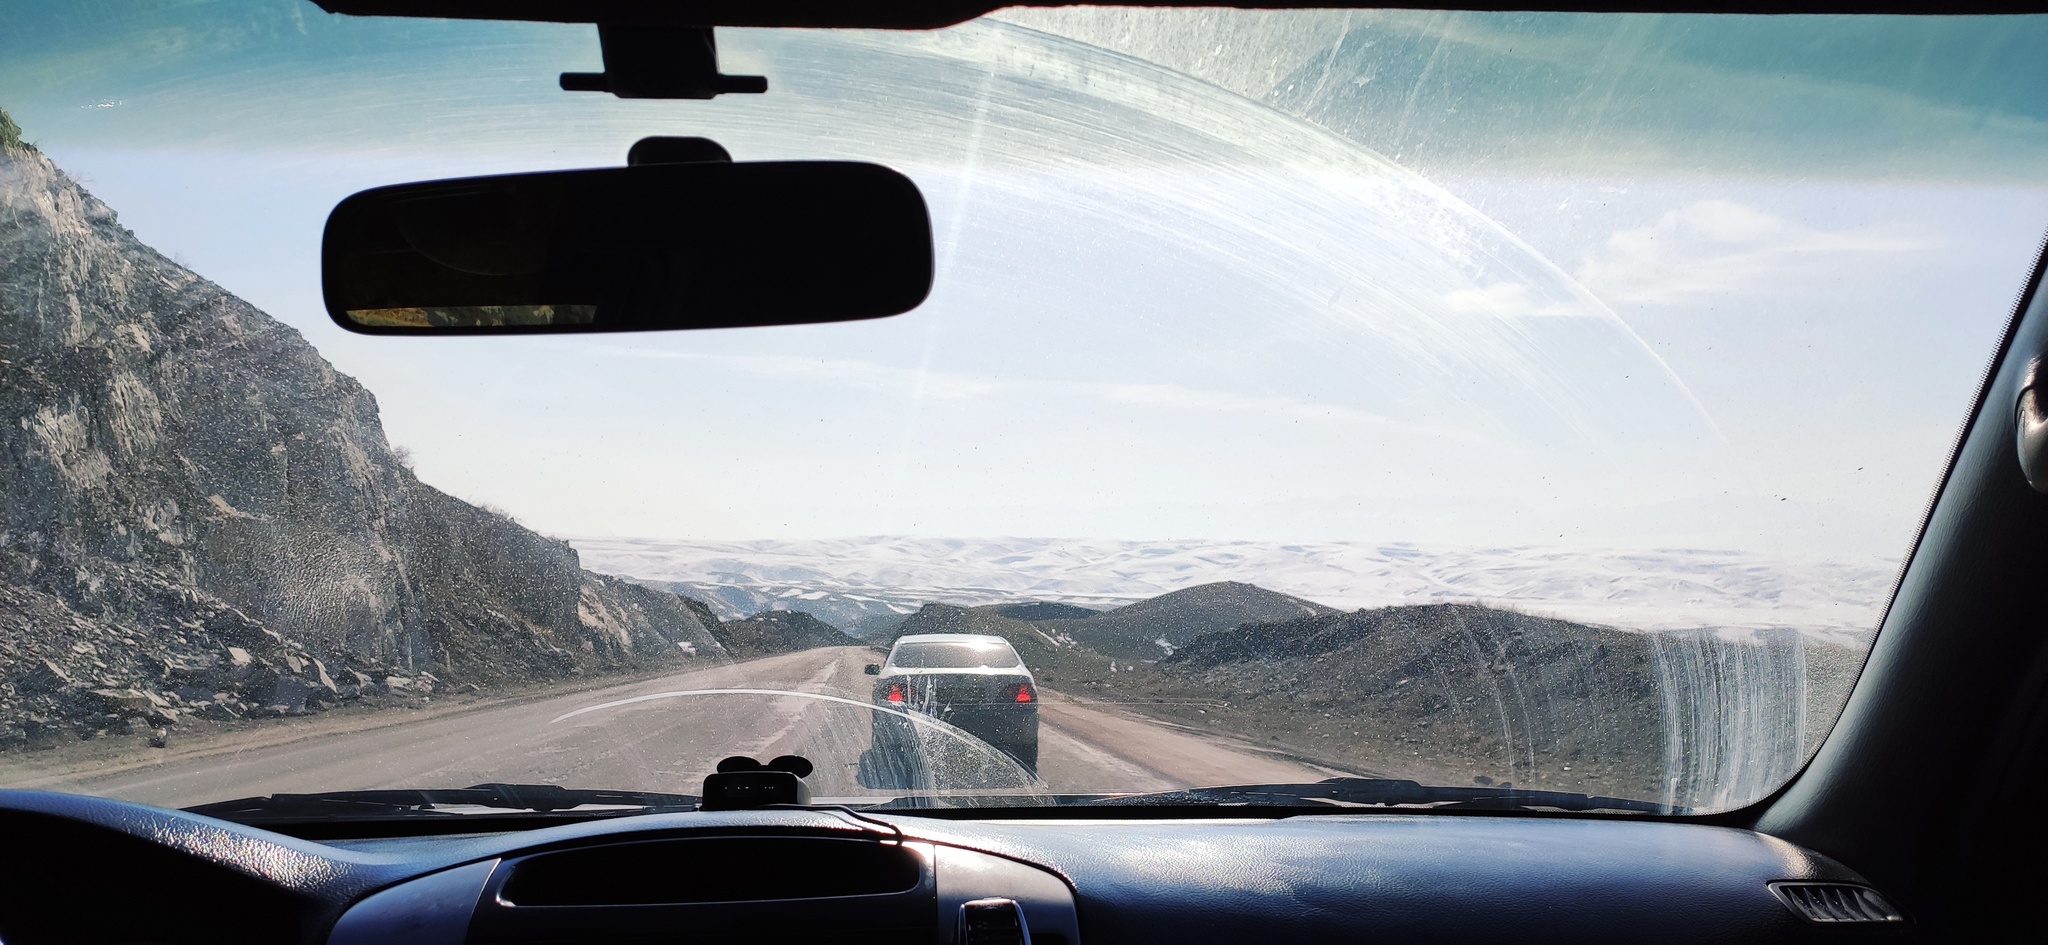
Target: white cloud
{"type": "Point", "coordinates": [1713, 247]}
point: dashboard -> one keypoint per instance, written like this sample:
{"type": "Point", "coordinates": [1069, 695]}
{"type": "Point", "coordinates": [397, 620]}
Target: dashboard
{"type": "Point", "coordinates": [85, 869]}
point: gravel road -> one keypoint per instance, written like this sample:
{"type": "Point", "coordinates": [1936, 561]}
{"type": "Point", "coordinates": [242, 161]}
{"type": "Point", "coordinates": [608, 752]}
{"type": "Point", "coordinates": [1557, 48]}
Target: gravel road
{"type": "Point", "coordinates": [670, 738]}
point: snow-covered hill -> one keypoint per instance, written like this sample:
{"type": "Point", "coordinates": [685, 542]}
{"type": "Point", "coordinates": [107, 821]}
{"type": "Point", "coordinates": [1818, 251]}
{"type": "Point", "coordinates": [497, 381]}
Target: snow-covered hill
{"type": "Point", "coordinates": [844, 580]}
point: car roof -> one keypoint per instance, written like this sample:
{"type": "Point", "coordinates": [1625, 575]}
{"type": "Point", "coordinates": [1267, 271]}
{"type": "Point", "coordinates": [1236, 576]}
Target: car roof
{"type": "Point", "coordinates": [951, 638]}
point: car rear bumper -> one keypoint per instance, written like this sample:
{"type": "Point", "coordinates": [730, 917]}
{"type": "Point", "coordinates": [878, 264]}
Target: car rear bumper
{"type": "Point", "coordinates": [1009, 727]}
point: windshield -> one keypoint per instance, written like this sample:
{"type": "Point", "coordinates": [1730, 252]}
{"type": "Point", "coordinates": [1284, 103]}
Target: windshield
{"type": "Point", "coordinates": [1477, 399]}
{"type": "Point", "coordinates": [991, 655]}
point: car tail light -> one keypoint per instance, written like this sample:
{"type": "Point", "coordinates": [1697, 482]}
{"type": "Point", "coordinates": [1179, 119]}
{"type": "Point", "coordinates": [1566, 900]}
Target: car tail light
{"type": "Point", "coordinates": [895, 693]}
{"type": "Point", "coordinates": [1024, 692]}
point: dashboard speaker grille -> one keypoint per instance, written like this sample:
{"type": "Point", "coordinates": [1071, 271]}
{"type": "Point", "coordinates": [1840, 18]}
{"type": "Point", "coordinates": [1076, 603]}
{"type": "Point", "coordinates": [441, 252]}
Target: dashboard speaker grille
{"type": "Point", "coordinates": [1833, 903]}
{"type": "Point", "coordinates": [710, 870]}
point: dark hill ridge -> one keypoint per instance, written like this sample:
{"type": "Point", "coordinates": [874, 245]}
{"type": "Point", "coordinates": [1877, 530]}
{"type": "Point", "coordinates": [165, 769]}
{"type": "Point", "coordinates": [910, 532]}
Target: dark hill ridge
{"type": "Point", "coordinates": [1133, 631]}
{"type": "Point", "coordinates": [1080, 648]}
{"type": "Point", "coordinates": [778, 631]}
{"type": "Point", "coordinates": [1056, 636]}
{"type": "Point", "coordinates": [1044, 610]}
{"type": "Point", "coordinates": [1035, 644]}
{"type": "Point", "coordinates": [197, 502]}
{"type": "Point", "coordinates": [1053, 657]}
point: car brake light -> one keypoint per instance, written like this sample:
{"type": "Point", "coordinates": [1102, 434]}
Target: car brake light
{"type": "Point", "coordinates": [895, 693]}
{"type": "Point", "coordinates": [1024, 692]}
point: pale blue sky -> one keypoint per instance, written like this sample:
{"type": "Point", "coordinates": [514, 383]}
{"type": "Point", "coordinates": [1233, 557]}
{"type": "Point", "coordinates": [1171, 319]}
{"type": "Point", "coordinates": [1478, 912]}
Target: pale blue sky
{"type": "Point", "coordinates": [1167, 306]}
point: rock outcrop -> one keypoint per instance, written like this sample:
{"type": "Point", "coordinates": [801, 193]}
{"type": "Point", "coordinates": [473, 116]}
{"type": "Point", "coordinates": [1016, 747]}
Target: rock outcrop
{"type": "Point", "coordinates": [201, 514]}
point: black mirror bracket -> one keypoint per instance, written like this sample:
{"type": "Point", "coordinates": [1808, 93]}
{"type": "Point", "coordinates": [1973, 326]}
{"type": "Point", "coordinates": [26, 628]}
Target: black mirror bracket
{"type": "Point", "coordinates": [660, 62]}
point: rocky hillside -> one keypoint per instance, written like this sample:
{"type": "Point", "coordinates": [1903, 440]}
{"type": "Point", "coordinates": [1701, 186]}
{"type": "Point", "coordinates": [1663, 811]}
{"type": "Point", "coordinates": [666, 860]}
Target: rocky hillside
{"type": "Point", "coordinates": [1697, 716]}
{"type": "Point", "coordinates": [1523, 696]}
{"type": "Point", "coordinates": [202, 515]}
{"type": "Point", "coordinates": [1451, 692]}
{"type": "Point", "coordinates": [778, 631]}
{"type": "Point", "coordinates": [1151, 628]}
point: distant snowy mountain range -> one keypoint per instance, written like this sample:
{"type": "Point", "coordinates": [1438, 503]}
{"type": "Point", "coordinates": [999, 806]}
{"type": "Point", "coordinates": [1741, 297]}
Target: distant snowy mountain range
{"type": "Point", "coordinates": [865, 583]}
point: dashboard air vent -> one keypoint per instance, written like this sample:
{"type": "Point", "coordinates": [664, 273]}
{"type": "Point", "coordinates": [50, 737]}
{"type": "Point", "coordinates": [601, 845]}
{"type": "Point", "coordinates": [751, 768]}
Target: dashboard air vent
{"type": "Point", "coordinates": [993, 922]}
{"type": "Point", "coordinates": [1836, 902]}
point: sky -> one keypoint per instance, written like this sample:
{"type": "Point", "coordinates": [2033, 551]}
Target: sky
{"type": "Point", "coordinates": [1474, 280]}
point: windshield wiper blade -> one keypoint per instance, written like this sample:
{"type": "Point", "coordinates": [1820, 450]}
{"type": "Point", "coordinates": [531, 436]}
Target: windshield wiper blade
{"type": "Point", "coordinates": [432, 802]}
{"type": "Point", "coordinates": [1351, 792]}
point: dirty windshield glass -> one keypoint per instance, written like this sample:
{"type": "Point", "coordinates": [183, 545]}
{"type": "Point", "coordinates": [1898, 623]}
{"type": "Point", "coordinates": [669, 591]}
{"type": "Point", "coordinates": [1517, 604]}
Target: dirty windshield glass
{"type": "Point", "coordinates": [1500, 401]}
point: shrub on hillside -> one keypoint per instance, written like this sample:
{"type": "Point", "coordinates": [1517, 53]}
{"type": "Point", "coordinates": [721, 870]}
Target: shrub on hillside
{"type": "Point", "coordinates": [10, 133]}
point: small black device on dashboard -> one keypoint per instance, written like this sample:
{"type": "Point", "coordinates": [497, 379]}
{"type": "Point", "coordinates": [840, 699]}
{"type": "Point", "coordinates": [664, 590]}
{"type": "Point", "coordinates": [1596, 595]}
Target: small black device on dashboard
{"type": "Point", "coordinates": [742, 783]}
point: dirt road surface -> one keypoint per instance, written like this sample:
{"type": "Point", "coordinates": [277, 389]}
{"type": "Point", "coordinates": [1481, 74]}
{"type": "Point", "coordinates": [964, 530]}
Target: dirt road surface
{"type": "Point", "coordinates": [665, 734]}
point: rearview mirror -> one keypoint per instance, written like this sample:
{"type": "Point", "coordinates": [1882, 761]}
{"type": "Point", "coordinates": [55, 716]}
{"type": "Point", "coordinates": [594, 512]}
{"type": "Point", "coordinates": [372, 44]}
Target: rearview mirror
{"type": "Point", "coordinates": [872, 670]}
{"type": "Point", "coordinates": [647, 248]}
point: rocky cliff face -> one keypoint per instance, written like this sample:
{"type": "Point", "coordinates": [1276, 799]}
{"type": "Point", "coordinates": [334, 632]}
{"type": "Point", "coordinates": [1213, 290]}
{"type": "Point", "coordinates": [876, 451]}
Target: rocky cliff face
{"type": "Point", "coordinates": [195, 502]}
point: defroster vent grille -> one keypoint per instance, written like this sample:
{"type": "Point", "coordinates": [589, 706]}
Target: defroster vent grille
{"type": "Point", "coordinates": [1836, 902]}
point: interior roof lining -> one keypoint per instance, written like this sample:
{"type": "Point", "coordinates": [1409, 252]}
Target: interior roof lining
{"type": "Point", "coordinates": [933, 14]}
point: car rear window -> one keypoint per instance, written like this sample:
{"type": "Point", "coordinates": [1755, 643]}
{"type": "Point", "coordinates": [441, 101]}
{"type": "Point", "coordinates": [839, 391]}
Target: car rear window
{"type": "Point", "coordinates": [955, 656]}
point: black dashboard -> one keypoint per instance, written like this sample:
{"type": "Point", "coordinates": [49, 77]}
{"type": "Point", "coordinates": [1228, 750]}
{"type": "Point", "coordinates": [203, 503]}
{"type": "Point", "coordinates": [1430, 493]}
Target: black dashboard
{"type": "Point", "coordinates": [83, 869]}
